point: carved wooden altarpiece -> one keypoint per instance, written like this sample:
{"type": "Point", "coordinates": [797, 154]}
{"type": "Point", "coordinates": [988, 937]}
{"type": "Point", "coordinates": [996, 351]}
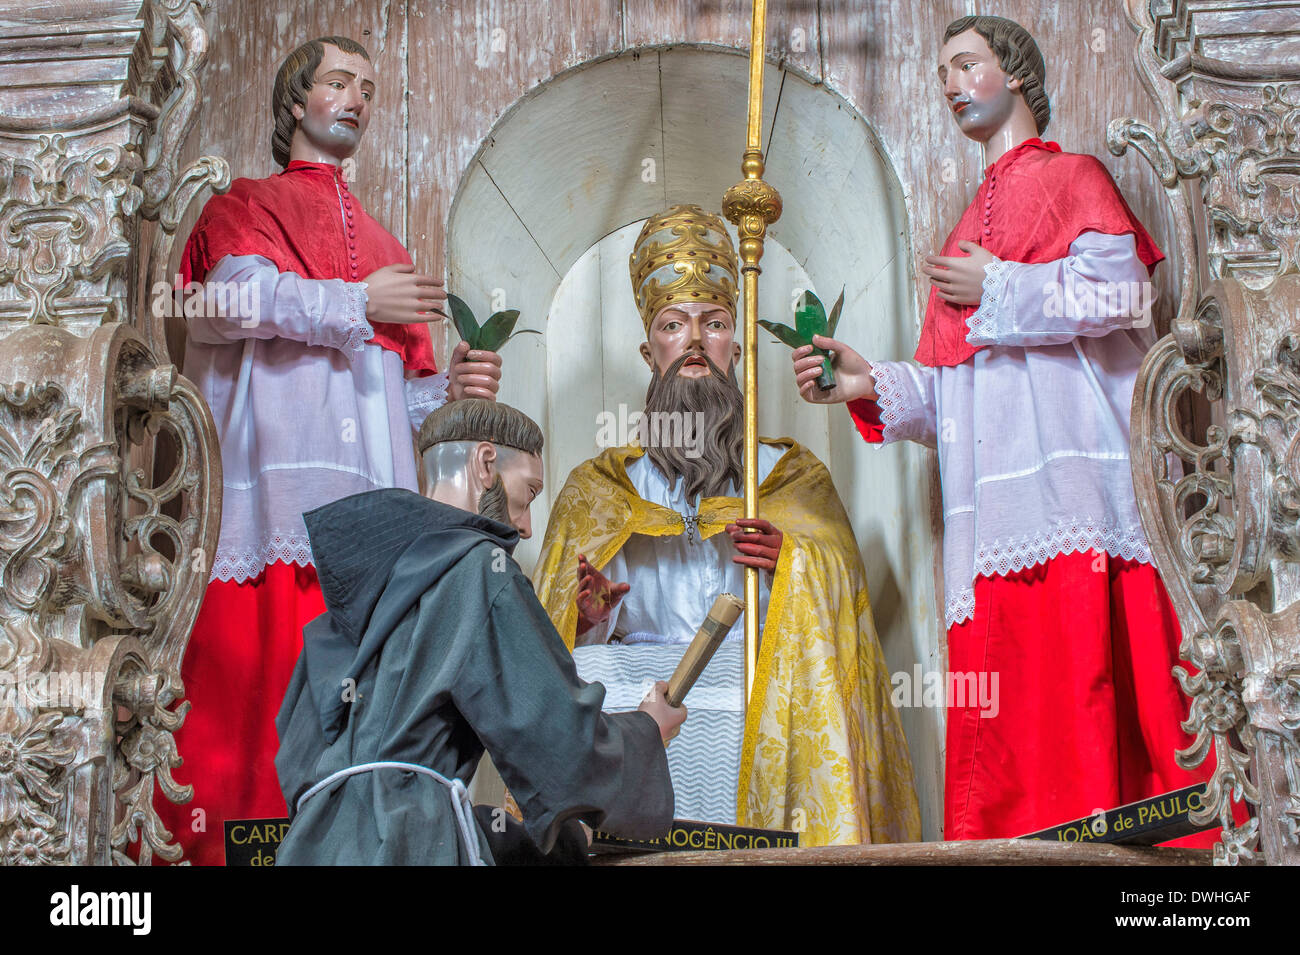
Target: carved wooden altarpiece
{"type": "Point", "coordinates": [110, 474]}
{"type": "Point", "coordinates": [1220, 501]}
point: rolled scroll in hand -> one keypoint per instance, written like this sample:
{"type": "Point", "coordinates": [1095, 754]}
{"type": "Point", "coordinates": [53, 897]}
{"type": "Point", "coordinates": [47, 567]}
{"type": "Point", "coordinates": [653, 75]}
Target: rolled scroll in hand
{"type": "Point", "coordinates": [726, 610]}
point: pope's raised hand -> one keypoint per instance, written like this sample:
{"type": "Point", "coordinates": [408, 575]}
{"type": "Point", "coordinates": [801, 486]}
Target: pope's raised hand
{"type": "Point", "coordinates": [597, 596]}
{"type": "Point", "coordinates": [399, 295]}
{"type": "Point", "coordinates": [853, 378]}
{"type": "Point", "coordinates": [760, 546]}
{"type": "Point", "coordinates": [473, 374]}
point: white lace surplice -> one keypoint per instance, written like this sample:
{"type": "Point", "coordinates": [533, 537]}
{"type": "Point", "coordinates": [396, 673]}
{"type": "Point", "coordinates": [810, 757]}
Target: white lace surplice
{"type": "Point", "coordinates": [1033, 431]}
{"type": "Point", "coordinates": [306, 411]}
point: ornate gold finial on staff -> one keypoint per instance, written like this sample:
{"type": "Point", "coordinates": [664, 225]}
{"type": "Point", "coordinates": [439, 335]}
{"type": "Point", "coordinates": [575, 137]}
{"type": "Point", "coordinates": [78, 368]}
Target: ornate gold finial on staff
{"type": "Point", "coordinates": [752, 205]}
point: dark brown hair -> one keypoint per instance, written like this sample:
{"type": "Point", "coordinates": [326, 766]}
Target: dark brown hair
{"type": "Point", "coordinates": [292, 82]}
{"type": "Point", "coordinates": [1018, 56]}
{"type": "Point", "coordinates": [477, 419]}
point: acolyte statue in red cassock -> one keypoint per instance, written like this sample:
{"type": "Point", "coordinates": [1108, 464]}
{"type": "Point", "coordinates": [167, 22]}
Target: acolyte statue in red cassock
{"type": "Point", "coordinates": [313, 351]}
{"type": "Point", "coordinates": [1038, 318]}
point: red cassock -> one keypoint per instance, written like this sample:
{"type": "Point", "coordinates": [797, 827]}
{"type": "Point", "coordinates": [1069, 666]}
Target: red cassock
{"type": "Point", "coordinates": [1088, 712]}
{"type": "Point", "coordinates": [1083, 643]}
{"type": "Point", "coordinates": [248, 634]}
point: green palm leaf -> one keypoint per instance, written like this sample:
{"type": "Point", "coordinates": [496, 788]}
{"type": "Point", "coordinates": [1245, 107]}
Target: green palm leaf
{"type": "Point", "coordinates": [466, 325]}
{"type": "Point", "coordinates": [810, 316]}
{"type": "Point", "coordinates": [834, 321]}
{"type": "Point", "coordinates": [784, 333]}
{"type": "Point", "coordinates": [810, 319]}
{"type": "Point", "coordinates": [496, 330]}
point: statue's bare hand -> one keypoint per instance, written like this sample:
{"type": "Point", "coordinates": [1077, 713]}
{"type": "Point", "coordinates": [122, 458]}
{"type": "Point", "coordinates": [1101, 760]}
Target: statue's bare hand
{"type": "Point", "coordinates": [597, 596]}
{"type": "Point", "coordinates": [959, 279]}
{"type": "Point", "coordinates": [474, 374]}
{"type": "Point", "coordinates": [401, 296]}
{"type": "Point", "coordinates": [758, 543]}
{"type": "Point", "coordinates": [669, 718]}
{"type": "Point", "coordinates": [853, 378]}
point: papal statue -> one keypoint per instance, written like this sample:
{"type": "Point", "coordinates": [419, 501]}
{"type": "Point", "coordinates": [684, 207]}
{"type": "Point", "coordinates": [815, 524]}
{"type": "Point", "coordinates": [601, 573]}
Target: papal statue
{"type": "Point", "coordinates": [643, 537]}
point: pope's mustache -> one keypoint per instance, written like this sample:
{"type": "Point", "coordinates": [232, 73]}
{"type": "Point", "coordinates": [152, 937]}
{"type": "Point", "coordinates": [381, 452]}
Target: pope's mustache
{"type": "Point", "coordinates": [714, 370]}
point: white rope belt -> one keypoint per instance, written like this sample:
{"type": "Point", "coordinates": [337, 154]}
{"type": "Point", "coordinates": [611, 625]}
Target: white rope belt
{"type": "Point", "coordinates": [460, 804]}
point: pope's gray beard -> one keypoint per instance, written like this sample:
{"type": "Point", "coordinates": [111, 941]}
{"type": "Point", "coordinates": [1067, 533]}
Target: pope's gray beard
{"type": "Point", "coordinates": [493, 503]}
{"type": "Point", "coordinates": [719, 448]}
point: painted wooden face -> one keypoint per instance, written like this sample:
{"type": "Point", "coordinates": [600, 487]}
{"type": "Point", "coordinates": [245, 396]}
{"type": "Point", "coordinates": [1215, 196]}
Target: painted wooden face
{"type": "Point", "coordinates": [521, 473]}
{"type": "Point", "coordinates": [981, 96]}
{"type": "Point", "coordinates": [338, 103]}
{"type": "Point", "coordinates": [699, 328]}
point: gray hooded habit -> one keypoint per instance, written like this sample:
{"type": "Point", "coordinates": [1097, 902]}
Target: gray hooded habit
{"type": "Point", "coordinates": [451, 654]}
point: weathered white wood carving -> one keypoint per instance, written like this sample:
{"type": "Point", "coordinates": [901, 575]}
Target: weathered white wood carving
{"type": "Point", "coordinates": [109, 469]}
{"type": "Point", "coordinates": [1220, 501]}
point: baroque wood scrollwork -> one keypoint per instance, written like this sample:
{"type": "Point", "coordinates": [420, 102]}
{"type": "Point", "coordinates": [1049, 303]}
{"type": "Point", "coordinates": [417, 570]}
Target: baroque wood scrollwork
{"type": "Point", "coordinates": [104, 548]}
{"type": "Point", "coordinates": [1221, 506]}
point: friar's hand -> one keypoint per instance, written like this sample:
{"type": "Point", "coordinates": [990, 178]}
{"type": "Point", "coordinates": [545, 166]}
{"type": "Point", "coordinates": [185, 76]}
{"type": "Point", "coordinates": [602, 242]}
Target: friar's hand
{"type": "Point", "coordinates": [400, 295]}
{"type": "Point", "coordinates": [853, 378]}
{"type": "Point", "coordinates": [473, 374]}
{"type": "Point", "coordinates": [669, 718]}
{"type": "Point", "coordinates": [597, 597]}
{"type": "Point", "coordinates": [759, 549]}
{"type": "Point", "coordinates": [959, 278]}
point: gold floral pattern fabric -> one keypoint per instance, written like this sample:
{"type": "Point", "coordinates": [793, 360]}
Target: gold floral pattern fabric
{"type": "Point", "coordinates": [823, 751]}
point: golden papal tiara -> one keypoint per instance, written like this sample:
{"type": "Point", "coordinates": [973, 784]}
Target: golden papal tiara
{"type": "Point", "coordinates": [683, 255]}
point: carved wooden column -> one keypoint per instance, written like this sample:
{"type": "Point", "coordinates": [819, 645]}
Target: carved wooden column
{"type": "Point", "coordinates": [103, 555]}
{"type": "Point", "coordinates": [1221, 502]}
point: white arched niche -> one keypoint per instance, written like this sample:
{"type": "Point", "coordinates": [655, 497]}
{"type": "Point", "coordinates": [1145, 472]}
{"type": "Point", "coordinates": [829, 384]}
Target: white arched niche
{"type": "Point", "coordinates": [545, 216]}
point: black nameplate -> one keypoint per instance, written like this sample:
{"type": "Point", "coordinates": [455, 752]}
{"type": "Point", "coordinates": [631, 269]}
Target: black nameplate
{"type": "Point", "coordinates": [253, 841]}
{"type": "Point", "coordinates": [1142, 823]}
{"type": "Point", "coordinates": [687, 835]}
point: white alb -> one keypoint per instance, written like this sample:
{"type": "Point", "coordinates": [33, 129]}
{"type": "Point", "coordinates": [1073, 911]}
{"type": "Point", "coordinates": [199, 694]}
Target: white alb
{"type": "Point", "coordinates": [1033, 431]}
{"type": "Point", "coordinates": [307, 410]}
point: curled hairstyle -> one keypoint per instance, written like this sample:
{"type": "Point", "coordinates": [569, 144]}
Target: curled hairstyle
{"type": "Point", "coordinates": [477, 419]}
{"type": "Point", "coordinates": [292, 82]}
{"type": "Point", "coordinates": [1018, 56]}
